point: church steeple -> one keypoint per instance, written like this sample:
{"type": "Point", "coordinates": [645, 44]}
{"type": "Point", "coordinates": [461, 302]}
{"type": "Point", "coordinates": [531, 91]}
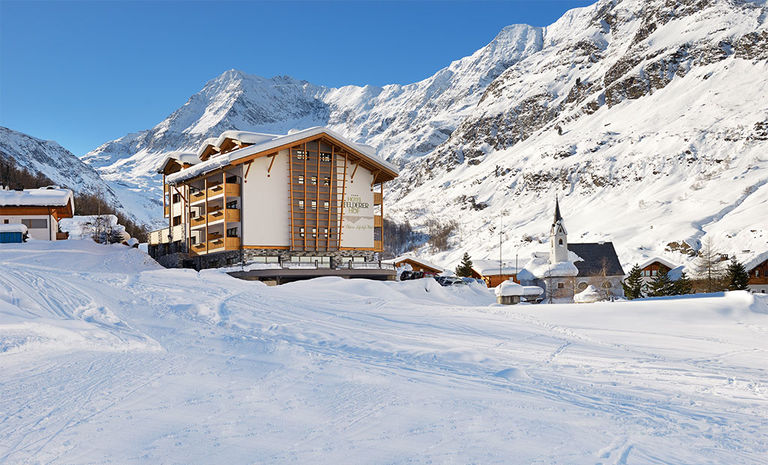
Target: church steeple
{"type": "Point", "coordinates": [558, 238]}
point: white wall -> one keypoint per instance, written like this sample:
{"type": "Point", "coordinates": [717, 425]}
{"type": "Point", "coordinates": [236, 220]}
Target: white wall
{"type": "Point", "coordinates": [357, 228]}
{"type": "Point", "coordinates": [40, 234]}
{"type": "Point", "coordinates": [266, 203]}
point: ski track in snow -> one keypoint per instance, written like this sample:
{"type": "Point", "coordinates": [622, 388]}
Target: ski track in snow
{"type": "Point", "coordinates": [175, 366]}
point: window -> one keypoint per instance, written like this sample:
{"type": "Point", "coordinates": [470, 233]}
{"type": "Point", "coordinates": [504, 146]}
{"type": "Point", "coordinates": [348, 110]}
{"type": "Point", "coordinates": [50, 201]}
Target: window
{"type": "Point", "coordinates": [301, 231]}
{"type": "Point", "coordinates": [314, 232]}
{"type": "Point", "coordinates": [582, 285]}
{"type": "Point", "coordinates": [325, 157]}
{"type": "Point", "coordinates": [325, 233]}
{"type": "Point", "coordinates": [560, 242]}
{"type": "Point", "coordinates": [326, 205]}
{"type": "Point", "coordinates": [301, 179]}
{"type": "Point", "coordinates": [232, 204]}
{"type": "Point", "coordinates": [35, 223]}
{"type": "Point", "coordinates": [314, 205]}
{"type": "Point", "coordinates": [560, 285]}
{"type": "Point", "coordinates": [313, 180]}
{"type": "Point", "coordinates": [177, 220]}
{"type": "Point", "coordinates": [327, 181]}
{"type": "Point", "coordinates": [300, 155]}
{"type": "Point", "coordinates": [5, 221]}
{"type": "Point", "coordinates": [176, 198]}
{"type": "Point", "coordinates": [301, 205]}
{"type": "Point", "coordinates": [232, 232]}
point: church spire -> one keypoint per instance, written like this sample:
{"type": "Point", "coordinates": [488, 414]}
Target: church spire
{"type": "Point", "coordinates": [558, 217]}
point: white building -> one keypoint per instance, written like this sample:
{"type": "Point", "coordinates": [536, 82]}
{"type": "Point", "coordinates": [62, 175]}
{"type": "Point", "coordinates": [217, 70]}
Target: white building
{"type": "Point", "coordinates": [40, 210]}
{"type": "Point", "coordinates": [311, 196]}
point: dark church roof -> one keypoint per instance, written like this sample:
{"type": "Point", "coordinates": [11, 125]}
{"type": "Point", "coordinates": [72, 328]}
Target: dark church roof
{"type": "Point", "coordinates": [594, 256]}
{"type": "Point", "coordinates": [558, 217]}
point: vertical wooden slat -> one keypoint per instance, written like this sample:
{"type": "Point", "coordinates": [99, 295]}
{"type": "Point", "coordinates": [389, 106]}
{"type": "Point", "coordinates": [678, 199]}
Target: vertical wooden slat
{"type": "Point", "coordinates": [205, 185]}
{"type": "Point", "coordinates": [317, 211]}
{"type": "Point", "coordinates": [343, 194]}
{"type": "Point", "coordinates": [224, 199]}
{"type": "Point", "coordinates": [304, 239]}
{"type": "Point", "coordinates": [290, 184]}
{"type": "Point", "coordinates": [331, 175]}
{"type": "Point", "coordinates": [381, 236]}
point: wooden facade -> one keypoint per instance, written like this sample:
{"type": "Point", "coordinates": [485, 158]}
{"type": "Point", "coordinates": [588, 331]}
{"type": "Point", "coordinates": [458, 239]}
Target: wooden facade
{"type": "Point", "coordinates": [759, 274]}
{"type": "Point", "coordinates": [417, 266]}
{"type": "Point", "coordinates": [320, 174]}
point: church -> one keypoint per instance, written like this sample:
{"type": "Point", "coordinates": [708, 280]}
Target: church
{"type": "Point", "coordinates": [570, 268]}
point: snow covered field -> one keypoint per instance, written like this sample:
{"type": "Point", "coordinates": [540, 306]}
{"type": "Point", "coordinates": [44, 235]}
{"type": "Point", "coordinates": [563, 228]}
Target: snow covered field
{"type": "Point", "coordinates": [107, 358]}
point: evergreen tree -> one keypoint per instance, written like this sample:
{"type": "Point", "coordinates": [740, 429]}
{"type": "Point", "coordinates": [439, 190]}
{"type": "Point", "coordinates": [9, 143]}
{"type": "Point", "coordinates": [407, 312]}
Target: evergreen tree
{"type": "Point", "coordinates": [736, 276]}
{"type": "Point", "coordinates": [683, 285]}
{"type": "Point", "coordinates": [661, 285]}
{"type": "Point", "coordinates": [464, 270]}
{"type": "Point", "coordinates": [633, 285]}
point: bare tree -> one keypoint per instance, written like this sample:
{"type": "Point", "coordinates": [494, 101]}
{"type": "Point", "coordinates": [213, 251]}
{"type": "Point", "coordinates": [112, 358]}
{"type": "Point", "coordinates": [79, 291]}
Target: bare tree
{"type": "Point", "coordinates": [709, 265]}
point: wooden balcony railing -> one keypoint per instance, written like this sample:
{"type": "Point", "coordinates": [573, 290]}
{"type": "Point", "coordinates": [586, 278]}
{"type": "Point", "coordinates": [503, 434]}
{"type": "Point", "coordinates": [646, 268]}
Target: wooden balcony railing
{"type": "Point", "coordinates": [377, 198]}
{"type": "Point", "coordinates": [197, 221]}
{"type": "Point", "coordinates": [378, 246]}
{"type": "Point", "coordinates": [231, 214]}
{"type": "Point", "coordinates": [229, 189]}
{"type": "Point", "coordinates": [198, 196]}
{"type": "Point", "coordinates": [378, 221]}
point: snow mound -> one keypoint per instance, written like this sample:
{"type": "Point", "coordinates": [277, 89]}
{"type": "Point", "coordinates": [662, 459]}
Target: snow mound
{"type": "Point", "coordinates": [588, 295]}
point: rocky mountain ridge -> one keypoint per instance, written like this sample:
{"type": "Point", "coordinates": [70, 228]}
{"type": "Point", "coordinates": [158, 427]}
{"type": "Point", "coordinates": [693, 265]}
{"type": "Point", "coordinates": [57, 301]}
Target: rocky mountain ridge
{"type": "Point", "coordinates": [649, 117]}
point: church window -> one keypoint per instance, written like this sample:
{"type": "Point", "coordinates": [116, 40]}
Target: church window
{"type": "Point", "coordinates": [560, 285]}
{"type": "Point", "coordinates": [582, 285]}
{"type": "Point", "coordinates": [561, 242]}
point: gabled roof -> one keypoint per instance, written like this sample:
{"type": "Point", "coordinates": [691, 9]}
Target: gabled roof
{"type": "Point", "coordinates": [491, 267]}
{"type": "Point", "coordinates": [179, 157]}
{"type": "Point", "coordinates": [266, 147]}
{"type": "Point", "coordinates": [663, 261]}
{"type": "Point", "coordinates": [419, 261]}
{"type": "Point", "coordinates": [595, 255]}
{"type": "Point", "coordinates": [52, 196]}
{"type": "Point", "coordinates": [757, 260]}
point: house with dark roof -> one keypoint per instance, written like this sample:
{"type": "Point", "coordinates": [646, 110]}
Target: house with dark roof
{"type": "Point", "coordinates": [569, 268]}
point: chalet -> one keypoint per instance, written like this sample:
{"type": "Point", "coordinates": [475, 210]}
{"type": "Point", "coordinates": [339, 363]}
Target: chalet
{"type": "Point", "coordinates": [311, 197]}
{"type": "Point", "coordinates": [658, 265]}
{"type": "Point", "coordinates": [39, 210]}
{"type": "Point", "coordinates": [492, 273]}
{"type": "Point", "coordinates": [758, 273]}
{"type": "Point", "coordinates": [411, 263]}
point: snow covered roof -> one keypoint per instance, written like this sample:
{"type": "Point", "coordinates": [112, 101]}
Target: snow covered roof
{"type": "Point", "coordinates": [491, 267]}
{"type": "Point", "coordinates": [420, 261]}
{"type": "Point", "coordinates": [15, 227]}
{"type": "Point", "coordinates": [245, 137]}
{"type": "Point", "coordinates": [180, 157]}
{"type": "Point", "coordinates": [51, 196]}
{"type": "Point", "coordinates": [228, 158]}
{"type": "Point", "coordinates": [664, 262]}
{"type": "Point", "coordinates": [509, 287]}
{"type": "Point", "coordinates": [750, 265]}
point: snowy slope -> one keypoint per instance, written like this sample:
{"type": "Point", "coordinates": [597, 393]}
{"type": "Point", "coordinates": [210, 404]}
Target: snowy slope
{"type": "Point", "coordinates": [54, 161]}
{"type": "Point", "coordinates": [649, 117]}
{"type": "Point", "coordinates": [107, 358]}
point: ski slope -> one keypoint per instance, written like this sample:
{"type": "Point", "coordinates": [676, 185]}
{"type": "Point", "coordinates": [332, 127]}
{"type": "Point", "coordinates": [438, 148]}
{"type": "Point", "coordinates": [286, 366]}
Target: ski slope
{"type": "Point", "coordinates": [107, 358]}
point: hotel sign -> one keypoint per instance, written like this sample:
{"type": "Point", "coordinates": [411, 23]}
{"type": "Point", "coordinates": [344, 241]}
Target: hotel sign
{"type": "Point", "coordinates": [355, 203]}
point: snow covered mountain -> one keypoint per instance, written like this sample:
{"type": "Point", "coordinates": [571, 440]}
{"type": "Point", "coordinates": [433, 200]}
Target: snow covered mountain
{"type": "Point", "coordinates": [54, 161]}
{"type": "Point", "coordinates": [649, 118]}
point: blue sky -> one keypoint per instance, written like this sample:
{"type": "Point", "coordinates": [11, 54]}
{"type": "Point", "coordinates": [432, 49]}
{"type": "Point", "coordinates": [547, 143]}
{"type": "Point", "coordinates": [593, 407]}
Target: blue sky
{"type": "Point", "coordinates": [82, 73]}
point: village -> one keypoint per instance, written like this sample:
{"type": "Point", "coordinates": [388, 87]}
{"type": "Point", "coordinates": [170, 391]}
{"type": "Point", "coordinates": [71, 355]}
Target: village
{"type": "Point", "coordinates": [282, 208]}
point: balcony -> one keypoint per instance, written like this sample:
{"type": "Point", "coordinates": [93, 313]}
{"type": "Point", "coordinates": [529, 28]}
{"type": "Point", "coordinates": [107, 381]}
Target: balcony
{"type": "Point", "coordinates": [377, 198]}
{"type": "Point", "coordinates": [197, 221]}
{"type": "Point", "coordinates": [232, 215]}
{"type": "Point", "coordinates": [378, 221]}
{"type": "Point", "coordinates": [378, 246]}
{"type": "Point", "coordinates": [195, 197]}
{"type": "Point", "coordinates": [166, 211]}
{"type": "Point", "coordinates": [228, 189]}
{"type": "Point", "coordinates": [216, 244]}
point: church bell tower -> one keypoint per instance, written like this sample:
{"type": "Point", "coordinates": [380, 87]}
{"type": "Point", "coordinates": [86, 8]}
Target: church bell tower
{"type": "Point", "coordinates": [558, 238]}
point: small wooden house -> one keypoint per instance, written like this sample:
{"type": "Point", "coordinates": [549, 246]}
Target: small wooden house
{"type": "Point", "coordinates": [758, 273]}
{"type": "Point", "coordinates": [656, 266]}
{"type": "Point", "coordinates": [39, 210]}
{"type": "Point", "coordinates": [492, 273]}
